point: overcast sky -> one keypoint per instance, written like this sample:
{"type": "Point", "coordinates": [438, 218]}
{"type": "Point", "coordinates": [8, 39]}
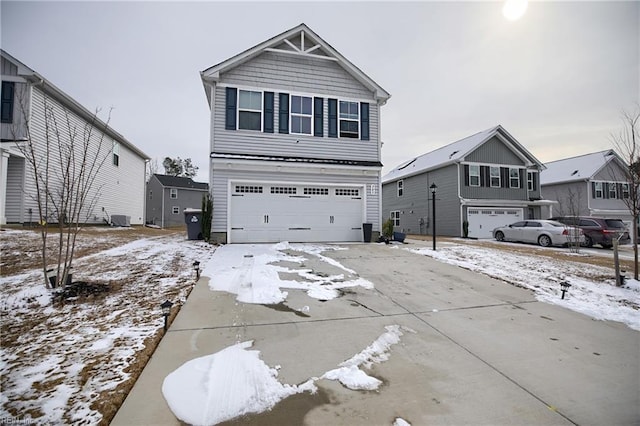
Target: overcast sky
{"type": "Point", "coordinates": [557, 79]}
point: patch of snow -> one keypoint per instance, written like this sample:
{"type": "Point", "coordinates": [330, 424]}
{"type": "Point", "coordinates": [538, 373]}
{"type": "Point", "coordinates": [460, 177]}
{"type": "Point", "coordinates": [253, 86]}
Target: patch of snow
{"type": "Point", "coordinates": [399, 421]}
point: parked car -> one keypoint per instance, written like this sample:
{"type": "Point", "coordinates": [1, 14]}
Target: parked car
{"type": "Point", "coordinates": [598, 230]}
{"type": "Point", "coordinates": [543, 232]}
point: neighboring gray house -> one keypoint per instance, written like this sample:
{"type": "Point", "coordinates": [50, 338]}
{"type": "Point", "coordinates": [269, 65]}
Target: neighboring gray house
{"type": "Point", "coordinates": [295, 143]}
{"type": "Point", "coordinates": [168, 196]}
{"type": "Point", "coordinates": [588, 185]}
{"type": "Point", "coordinates": [119, 186]}
{"type": "Point", "coordinates": [488, 179]}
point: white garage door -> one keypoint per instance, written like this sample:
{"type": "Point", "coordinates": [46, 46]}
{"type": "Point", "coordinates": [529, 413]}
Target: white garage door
{"type": "Point", "coordinates": [483, 220]}
{"type": "Point", "coordinates": [274, 212]}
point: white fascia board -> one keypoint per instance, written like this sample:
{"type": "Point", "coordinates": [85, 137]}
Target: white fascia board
{"type": "Point", "coordinates": [261, 165]}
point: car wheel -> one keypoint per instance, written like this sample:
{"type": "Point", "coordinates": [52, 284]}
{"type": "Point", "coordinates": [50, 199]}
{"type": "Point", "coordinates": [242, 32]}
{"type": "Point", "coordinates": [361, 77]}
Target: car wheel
{"type": "Point", "coordinates": [606, 246]}
{"type": "Point", "coordinates": [588, 241]}
{"type": "Point", "coordinates": [500, 236]}
{"type": "Point", "coordinates": [544, 240]}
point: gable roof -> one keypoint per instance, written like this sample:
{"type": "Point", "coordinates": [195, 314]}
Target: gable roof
{"type": "Point", "coordinates": [579, 168]}
{"type": "Point", "coordinates": [318, 48]}
{"type": "Point", "coordinates": [73, 105]}
{"type": "Point", "coordinates": [181, 182]}
{"type": "Point", "coordinates": [456, 152]}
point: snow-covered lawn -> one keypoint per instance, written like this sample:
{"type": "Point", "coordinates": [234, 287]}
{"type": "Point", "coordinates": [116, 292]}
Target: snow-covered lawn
{"type": "Point", "coordinates": [71, 363]}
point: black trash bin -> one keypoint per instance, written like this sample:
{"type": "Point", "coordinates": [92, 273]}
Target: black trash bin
{"type": "Point", "coordinates": [366, 231]}
{"type": "Point", "coordinates": [193, 219]}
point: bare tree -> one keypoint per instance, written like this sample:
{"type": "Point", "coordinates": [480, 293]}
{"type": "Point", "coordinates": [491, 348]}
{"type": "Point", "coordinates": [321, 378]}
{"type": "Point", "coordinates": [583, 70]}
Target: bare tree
{"type": "Point", "coordinates": [625, 142]}
{"type": "Point", "coordinates": [569, 205]}
{"type": "Point", "coordinates": [152, 168]}
{"type": "Point", "coordinates": [64, 162]}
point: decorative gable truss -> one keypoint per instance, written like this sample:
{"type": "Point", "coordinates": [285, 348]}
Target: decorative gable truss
{"type": "Point", "coordinates": [297, 114]}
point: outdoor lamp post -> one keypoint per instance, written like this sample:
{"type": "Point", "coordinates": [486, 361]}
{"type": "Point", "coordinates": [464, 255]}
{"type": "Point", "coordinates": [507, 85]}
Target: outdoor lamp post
{"type": "Point", "coordinates": [433, 200]}
{"type": "Point", "coordinates": [196, 266]}
{"type": "Point", "coordinates": [166, 310]}
{"type": "Point", "coordinates": [565, 287]}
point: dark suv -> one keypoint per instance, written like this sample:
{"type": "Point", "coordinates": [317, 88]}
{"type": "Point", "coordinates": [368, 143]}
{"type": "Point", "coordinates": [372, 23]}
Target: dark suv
{"type": "Point", "coordinates": [598, 230]}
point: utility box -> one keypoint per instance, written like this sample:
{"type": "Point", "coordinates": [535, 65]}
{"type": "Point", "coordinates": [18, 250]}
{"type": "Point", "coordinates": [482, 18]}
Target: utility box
{"type": "Point", "coordinates": [193, 219]}
{"type": "Point", "coordinates": [120, 220]}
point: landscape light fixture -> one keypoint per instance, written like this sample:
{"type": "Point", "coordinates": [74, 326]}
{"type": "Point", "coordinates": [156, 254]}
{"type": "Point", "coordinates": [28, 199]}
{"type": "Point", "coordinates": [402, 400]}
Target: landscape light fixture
{"type": "Point", "coordinates": [433, 200]}
{"type": "Point", "coordinates": [565, 287]}
{"type": "Point", "coordinates": [196, 266]}
{"type": "Point", "coordinates": [166, 310]}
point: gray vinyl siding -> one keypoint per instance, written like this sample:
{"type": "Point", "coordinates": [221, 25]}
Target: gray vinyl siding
{"type": "Point", "coordinates": [572, 198]}
{"type": "Point", "coordinates": [221, 176]}
{"type": "Point", "coordinates": [494, 151]}
{"type": "Point", "coordinates": [294, 145]}
{"type": "Point", "coordinates": [14, 207]}
{"type": "Point", "coordinates": [154, 204]}
{"type": "Point", "coordinates": [612, 172]}
{"type": "Point", "coordinates": [415, 205]}
{"type": "Point", "coordinates": [117, 189]}
{"type": "Point", "coordinates": [187, 199]}
{"type": "Point", "coordinates": [17, 130]}
{"type": "Point", "coordinates": [536, 194]}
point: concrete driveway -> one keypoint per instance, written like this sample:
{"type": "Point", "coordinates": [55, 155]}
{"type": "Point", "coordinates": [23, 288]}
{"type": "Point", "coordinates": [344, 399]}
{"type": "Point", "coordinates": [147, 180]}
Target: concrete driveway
{"type": "Point", "coordinates": [482, 351]}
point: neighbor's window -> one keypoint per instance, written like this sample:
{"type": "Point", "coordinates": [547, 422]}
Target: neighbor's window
{"type": "Point", "coordinates": [400, 188]}
{"type": "Point", "coordinates": [612, 190]}
{"type": "Point", "coordinates": [395, 217]}
{"type": "Point", "coordinates": [495, 177]}
{"type": "Point", "coordinates": [250, 110]}
{"type": "Point", "coordinates": [349, 119]}
{"type": "Point", "coordinates": [116, 154]}
{"type": "Point", "coordinates": [301, 115]}
{"type": "Point", "coordinates": [514, 178]}
{"type": "Point", "coordinates": [474, 175]}
{"type": "Point", "coordinates": [8, 88]}
{"type": "Point", "coordinates": [150, 194]}
{"type": "Point", "coordinates": [175, 210]}
{"type": "Point", "coordinates": [625, 190]}
{"type": "Point", "coordinates": [173, 193]}
{"type": "Point", "coordinates": [598, 189]}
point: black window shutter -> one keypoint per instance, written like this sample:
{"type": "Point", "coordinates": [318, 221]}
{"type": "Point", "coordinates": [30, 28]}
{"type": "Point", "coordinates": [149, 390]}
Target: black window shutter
{"type": "Point", "coordinates": [364, 121]}
{"type": "Point", "coordinates": [7, 101]}
{"type": "Point", "coordinates": [619, 191]}
{"type": "Point", "coordinates": [593, 190]}
{"type": "Point", "coordinates": [231, 106]}
{"type": "Point", "coordinates": [268, 112]}
{"type": "Point", "coordinates": [521, 173]}
{"type": "Point", "coordinates": [283, 116]}
{"type": "Point", "coordinates": [535, 181]}
{"type": "Point", "coordinates": [318, 117]}
{"type": "Point", "coordinates": [333, 118]}
{"type": "Point", "coordinates": [466, 175]}
{"type": "Point", "coordinates": [504, 174]}
{"type": "Point", "coordinates": [605, 189]}
{"type": "Point", "coordinates": [483, 176]}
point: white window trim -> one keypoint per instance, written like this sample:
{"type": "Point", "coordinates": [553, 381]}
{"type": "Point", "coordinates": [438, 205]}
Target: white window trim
{"type": "Point", "coordinates": [261, 110]}
{"type": "Point", "coordinates": [477, 175]}
{"type": "Point", "coordinates": [174, 208]}
{"type": "Point", "coordinates": [599, 188]}
{"type": "Point", "coordinates": [116, 154]}
{"type": "Point", "coordinates": [291, 114]}
{"type": "Point", "coordinates": [512, 178]}
{"type": "Point", "coordinates": [625, 190]}
{"type": "Point", "coordinates": [530, 181]}
{"type": "Point", "coordinates": [395, 217]}
{"type": "Point", "coordinates": [173, 191]}
{"type": "Point", "coordinates": [491, 177]}
{"type": "Point", "coordinates": [613, 189]}
{"type": "Point", "coordinates": [349, 119]}
{"type": "Point", "coordinates": [400, 187]}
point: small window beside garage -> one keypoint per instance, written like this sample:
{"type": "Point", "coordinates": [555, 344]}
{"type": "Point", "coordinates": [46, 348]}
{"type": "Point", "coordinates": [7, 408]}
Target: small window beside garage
{"type": "Point", "coordinates": [395, 217]}
{"type": "Point", "coordinates": [316, 191]}
{"type": "Point", "coordinates": [283, 190]}
{"type": "Point", "coordinates": [175, 210]}
{"type": "Point", "coordinates": [248, 189]}
{"type": "Point", "coordinates": [347, 192]}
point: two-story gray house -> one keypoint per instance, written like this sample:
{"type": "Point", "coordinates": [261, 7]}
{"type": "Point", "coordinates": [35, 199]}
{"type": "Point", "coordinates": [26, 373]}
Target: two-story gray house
{"type": "Point", "coordinates": [35, 110]}
{"type": "Point", "coordinates": [487, 179]}
{"type": "Point", "coordinates": [593, 184]}
{"type": "Point", "coordinates": [168, 197]}
{"type": "Point", "coordinates": [295, 143]}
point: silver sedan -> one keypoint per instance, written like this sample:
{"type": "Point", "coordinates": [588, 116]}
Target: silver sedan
{"type": "Point", "coordinates": [543, 232]}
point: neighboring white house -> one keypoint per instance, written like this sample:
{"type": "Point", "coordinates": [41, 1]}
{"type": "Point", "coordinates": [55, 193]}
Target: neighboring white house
{"type": "Point", "coordinates": [593, 184]}
{"type": "Point", "coordinates": [119, 187]}
{"type": "Point", "coordinates": [295, 143]}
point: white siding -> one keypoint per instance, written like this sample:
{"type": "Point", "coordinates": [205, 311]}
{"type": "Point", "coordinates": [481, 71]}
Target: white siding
{"type": "Point", "coordinates": [14, 201]}
{"type": "Point", "coordinates": [119, 189]}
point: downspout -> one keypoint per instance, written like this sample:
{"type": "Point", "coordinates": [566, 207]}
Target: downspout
{"type": "Point", "coordinates": [379, 183]}
{"type": "Point", "coordinates": [586, 181]}
{"type": "Point", "coordinates": [162, 210]}
{"type": "Point", "coordinates": [145, 191]}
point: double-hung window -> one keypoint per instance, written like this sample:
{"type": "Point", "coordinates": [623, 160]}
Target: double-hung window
{"type": "Point", "coordinates": [400, 188]}
{"type": "Point", "coordinates": [474, 175]}
{"type": "Point", "coordinates": [173, 193]}
{"type": "Point", "coordinates": [530, 184]}
{"type": "Point", "coordinates": [495, 176]}
{"type": "Point", "coordinates": [301, 115]}
{"type": "Point", "coordinates": [514, 178]}
{"type": "Point", "coordinates": [625, 190]}
{"type": "Point", "coordinates": [349, 115]}
{"type": "Point", "coordinates": [612, 190]}
{"type": "Point", "coordinates": [395, 217]}
{"type": "Point", "coordinates": [116, 154]}
{"type": "Point", "coordinates": [250, 110]}
{"type": "Point", "coordinates": [598, 189]}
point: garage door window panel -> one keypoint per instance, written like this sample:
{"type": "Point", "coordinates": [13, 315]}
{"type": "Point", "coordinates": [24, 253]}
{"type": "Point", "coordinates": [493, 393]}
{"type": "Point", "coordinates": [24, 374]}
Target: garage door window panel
{"type": "Point", "coordinates": [316, 191]}
{"type": "Point", "coordinates": [248, 189]}
{"type": "Point", "coordinates": [292, 190]}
